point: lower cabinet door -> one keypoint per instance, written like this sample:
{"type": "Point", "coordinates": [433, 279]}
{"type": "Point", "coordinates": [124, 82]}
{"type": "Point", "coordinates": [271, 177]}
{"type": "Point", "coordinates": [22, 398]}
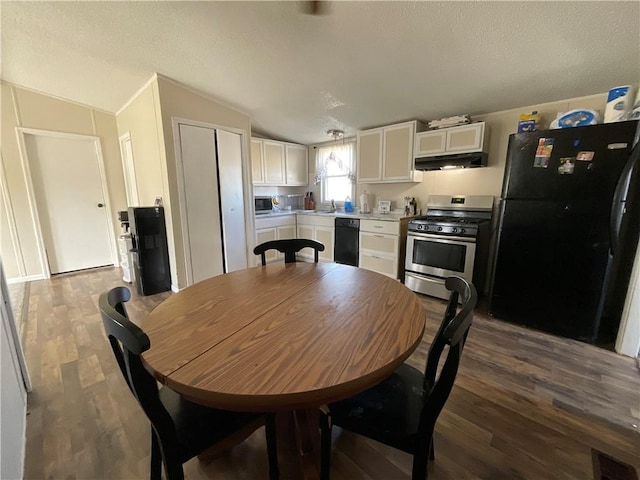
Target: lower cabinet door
{"type": "Point", "coordinates": [306, 231]}
{"type": "Point", "coordinates": [266, 235]}
{"type": "Point", "coordinates": [386, 265]}
{"type": "Point", "coordinates": [379, 242]}
{"type": "Point", "coordinates": [325, 235]}
{"type": "Point", "coordinates": [287, 232]}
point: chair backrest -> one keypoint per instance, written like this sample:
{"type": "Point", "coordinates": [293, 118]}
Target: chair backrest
{"type": "Point", "coordinates": [128, 342]}
{"type": "Point", "coordinates": [453, 333]}
{"type": "Point", "coordinates": [289, 247]}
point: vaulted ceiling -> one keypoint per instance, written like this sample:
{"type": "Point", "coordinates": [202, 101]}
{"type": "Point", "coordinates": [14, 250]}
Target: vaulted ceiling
{"type": "Point", "coordinates": [362, 64]}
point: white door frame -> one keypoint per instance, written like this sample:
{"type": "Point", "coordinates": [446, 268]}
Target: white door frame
{"type": "Point", "coordinates": [11, 221]}
{"type": "Point", "coordinates": [33, 205]}
{"type": "Point", "coordinates": [247, 187]}
{"type": "Point", "coordinates": [628, 340]}
{"type": "Point", "coordinates": [12, 330]}
{"type": "Point", "coordinates": [129, 167]}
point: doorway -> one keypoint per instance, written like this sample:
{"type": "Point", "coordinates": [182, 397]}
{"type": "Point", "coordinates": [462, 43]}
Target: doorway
{"type": "Point", "coordinates": [70, 206]}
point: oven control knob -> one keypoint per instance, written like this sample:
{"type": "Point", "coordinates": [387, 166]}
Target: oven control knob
{"type": "Point", "coordinates": [439, 229]}
{"type": "Point", "coordinates": [424, 227]}
{"type": "Point", "coordinates": [462, 230]}
{"type": "Point", "coordinates": [454, 229]}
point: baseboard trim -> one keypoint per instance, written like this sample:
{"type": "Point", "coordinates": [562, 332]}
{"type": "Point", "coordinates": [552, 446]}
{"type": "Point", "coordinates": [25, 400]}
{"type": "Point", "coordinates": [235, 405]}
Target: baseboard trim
{"type": "Point", "coordinates": [174, 288]}
{"type": "Point", "coordinates": [28, 278]}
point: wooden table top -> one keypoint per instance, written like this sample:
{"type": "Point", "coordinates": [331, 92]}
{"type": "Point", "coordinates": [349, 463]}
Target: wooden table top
{"type": "Point", "coordinates": [282, 337]}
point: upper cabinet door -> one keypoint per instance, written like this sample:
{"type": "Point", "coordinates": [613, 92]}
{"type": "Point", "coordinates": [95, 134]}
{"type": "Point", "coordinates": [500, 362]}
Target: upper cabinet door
{"type": "Point", "coordinates": [463, 139]}
{"type": "Point", "coordinates": [398, 152]}
{"type": "Point", "coordinates": [296, 164]}
{"type": "Point", "coordinates": [466, 138]}
{"type": "Point", "coordinates": [369, 149]}
{"type": "Point", "coordinates": [257, 162]}
{"type": "Point", "coordinates": [432, 142]}
{"type": "Point", "coordinates": [273, 162]}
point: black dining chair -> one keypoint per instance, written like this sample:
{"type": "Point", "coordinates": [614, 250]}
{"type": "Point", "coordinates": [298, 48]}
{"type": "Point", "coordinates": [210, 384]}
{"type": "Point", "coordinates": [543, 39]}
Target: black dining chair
{"type": "Point", "coordinates": [180, 429]}
{"type": "Point", "coordinates": [290, 247]}
{"type": "Point", "coordinates": [401, 411]}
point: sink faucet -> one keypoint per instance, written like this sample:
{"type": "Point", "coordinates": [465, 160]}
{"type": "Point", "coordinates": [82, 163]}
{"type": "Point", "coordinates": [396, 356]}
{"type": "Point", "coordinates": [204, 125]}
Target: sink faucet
{"type": "Point", "coordinates": [333, 206]}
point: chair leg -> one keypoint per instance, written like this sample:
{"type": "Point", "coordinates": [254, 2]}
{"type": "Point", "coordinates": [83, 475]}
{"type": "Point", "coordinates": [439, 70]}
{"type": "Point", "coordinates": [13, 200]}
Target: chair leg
{"type": "Point", "coordinates": [419, 471]}
{"type": "Point", "coordinates": [432, 451]}
{"type": "Point", "coordinates": [272, 448]}
{"type": "Point", "coordinates": [325, 446]}
{"type": "Point", "coordinates": [156, 458]}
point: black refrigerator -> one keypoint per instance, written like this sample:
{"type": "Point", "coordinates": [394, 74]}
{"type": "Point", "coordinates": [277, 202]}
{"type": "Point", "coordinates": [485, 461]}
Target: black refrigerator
{"type": "Point", "coordinates": [568, 230]}
{"type": "Point", "coordinates": [150, 254]}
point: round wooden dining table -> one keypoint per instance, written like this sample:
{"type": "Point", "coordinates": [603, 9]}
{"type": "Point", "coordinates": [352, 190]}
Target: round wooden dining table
{"type": "Point", "coordinates": [282, 337]}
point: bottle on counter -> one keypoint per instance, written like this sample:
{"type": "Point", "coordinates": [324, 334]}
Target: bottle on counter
{"type": "Point", "coordinates": [348, 207]}
{"type": "Point", "coordinates": [413, 206]}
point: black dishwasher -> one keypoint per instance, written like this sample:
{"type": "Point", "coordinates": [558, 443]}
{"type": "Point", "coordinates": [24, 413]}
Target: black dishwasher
{"type": "Point", "coordinates": [347, 242]}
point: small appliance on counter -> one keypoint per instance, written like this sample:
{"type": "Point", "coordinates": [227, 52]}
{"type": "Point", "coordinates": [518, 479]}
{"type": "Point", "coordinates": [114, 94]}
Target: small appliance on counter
{"type": "Point", "coordinates": [123, 218]}
{"type": "Point", "coordinates": [364, 203]}
{"type": "Point", "coordinates": [384, 206]}
{"type": "Point", "coordinates": [262, 205]}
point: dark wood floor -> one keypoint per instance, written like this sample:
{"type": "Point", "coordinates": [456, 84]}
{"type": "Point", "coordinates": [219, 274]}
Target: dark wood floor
{"type": "Point", "coordinates": [526, 405]}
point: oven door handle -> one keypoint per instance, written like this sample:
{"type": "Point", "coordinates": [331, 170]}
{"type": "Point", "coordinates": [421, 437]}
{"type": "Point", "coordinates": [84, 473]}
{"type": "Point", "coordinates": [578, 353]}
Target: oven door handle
{"type": "Point", "coordinates": [432, 236]}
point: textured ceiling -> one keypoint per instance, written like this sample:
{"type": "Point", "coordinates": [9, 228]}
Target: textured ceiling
{"type": "Point", "coordinates": [364, 64]}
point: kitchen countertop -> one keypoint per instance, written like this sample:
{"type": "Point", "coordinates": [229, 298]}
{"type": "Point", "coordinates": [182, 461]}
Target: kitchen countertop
{"type": "Point", "coordinates": [389, 217]}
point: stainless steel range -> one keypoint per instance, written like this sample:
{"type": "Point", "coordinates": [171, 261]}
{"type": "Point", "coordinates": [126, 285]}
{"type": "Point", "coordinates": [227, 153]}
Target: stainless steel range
{"type": "Point", "coordinates": [451, 239]}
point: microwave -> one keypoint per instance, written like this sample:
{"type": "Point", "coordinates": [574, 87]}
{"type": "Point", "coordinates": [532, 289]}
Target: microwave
{"type": "Point", "coordinates": [262, 205]}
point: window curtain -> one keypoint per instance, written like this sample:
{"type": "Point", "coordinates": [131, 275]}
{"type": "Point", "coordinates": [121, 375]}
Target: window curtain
{"type": "Point", "coordinates": [335, 171]}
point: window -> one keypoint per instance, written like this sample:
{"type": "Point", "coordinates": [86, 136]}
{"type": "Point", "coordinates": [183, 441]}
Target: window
{"type": "Point", "coordinates": [335, 172]}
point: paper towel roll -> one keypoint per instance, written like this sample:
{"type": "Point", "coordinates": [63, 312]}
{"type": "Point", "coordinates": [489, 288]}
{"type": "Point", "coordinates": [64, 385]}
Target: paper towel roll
{"type": "Point", "coordinates": [618, 104]}
{"type": "Point", "coordinates": [634, 114]}
{"type": "Point", "coordinates": [364, 203]}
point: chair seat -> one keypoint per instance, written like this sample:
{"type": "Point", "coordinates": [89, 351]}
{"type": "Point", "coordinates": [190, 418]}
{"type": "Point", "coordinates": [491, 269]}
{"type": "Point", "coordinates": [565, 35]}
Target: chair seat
{"type": "Point", "coordinates": [387, 412]}
{"type": "Point", "coordinates": [199, 427]}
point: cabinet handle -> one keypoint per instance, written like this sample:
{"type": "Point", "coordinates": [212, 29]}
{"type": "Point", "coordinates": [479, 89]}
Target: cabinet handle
{"type": "Point", "coordinates": [378, 226]}
{"type": "Point", "coordinates": [379, 236]}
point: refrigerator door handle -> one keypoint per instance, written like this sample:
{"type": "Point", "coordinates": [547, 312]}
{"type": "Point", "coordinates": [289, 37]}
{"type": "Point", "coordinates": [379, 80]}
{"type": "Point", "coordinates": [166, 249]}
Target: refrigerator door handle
{"type": "Point", "coordinates": [620, 198]}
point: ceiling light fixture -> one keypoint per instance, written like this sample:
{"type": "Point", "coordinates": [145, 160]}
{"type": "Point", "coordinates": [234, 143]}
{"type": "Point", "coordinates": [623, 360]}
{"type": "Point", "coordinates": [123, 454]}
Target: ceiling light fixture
{"type": "Point", "coordinates": [336, 134]}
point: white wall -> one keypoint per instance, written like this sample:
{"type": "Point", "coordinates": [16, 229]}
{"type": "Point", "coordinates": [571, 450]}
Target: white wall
{"type": "Point", "coordinates": [20, 107]}
{"type": "Point", "coordinates": [13, 402]}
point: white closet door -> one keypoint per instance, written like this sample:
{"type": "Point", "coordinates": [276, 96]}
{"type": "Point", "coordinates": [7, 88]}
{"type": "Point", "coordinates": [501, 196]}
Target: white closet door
{"type": "Point", "coordinates": [232, 199]}
{"type": "Point", "coordinates": [199, 166]}
{"type": "Point", "coordinates": [71, 203]}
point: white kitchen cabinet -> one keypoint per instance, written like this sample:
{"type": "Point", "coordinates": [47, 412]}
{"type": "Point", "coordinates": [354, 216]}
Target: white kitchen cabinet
{"type": "Point", "coordinates": [385, 155]}
{"type": "Point", "coordinates": [275, 163]}
{"type": "Point", "coordinates": [266, 235]}
{"type": "Point", "coordinates": [273, 153]}
{"type": "Point", "coordinates": [369, 153]}
{"type": "Point", "coordinates": [274, 228]}
{"type": "Point", "coordinates": [462, 139]}
{"type": "Point", "coordinates": [320, 228]}
{"type": "Point", "coordinates": [287, 232]}
{"type": "Point", "coordinates": [257, 162]}
{"type": "Point", "coordinates": [296, 164]}
{"type": "Point", "coordinates": [382, 246]}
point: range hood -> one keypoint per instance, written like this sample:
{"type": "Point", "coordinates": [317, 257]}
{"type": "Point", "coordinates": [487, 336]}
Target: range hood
{"type": "Point", "coordinates": [444, 162]}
